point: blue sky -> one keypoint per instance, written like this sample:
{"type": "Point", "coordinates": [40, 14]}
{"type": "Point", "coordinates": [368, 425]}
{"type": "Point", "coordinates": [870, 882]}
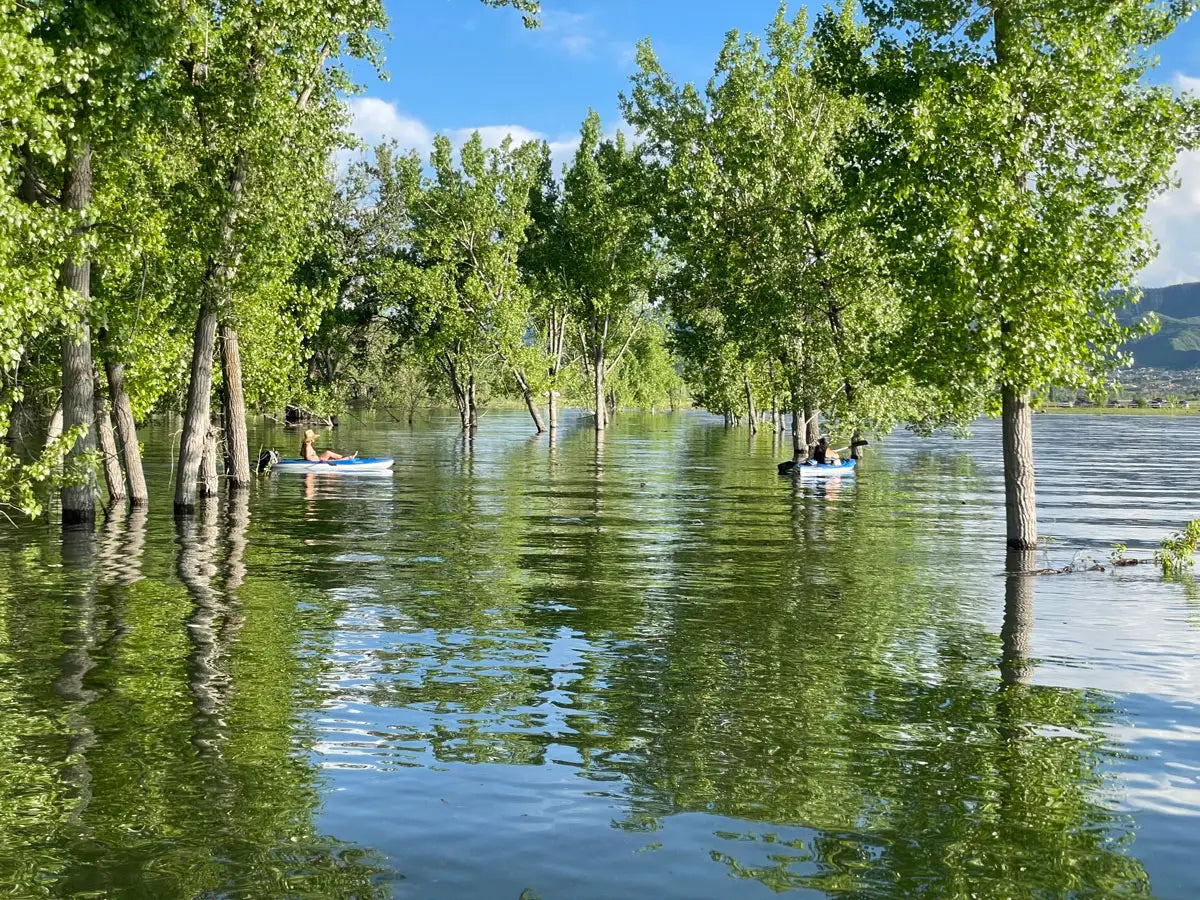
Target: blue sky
{"type": "Point", "coordinates": [456, 66]}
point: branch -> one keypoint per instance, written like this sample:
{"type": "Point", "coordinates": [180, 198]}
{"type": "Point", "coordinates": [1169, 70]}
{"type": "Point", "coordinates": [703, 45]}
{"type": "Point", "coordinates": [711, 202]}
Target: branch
{"type": "Point", "coordinates": [306, 93]}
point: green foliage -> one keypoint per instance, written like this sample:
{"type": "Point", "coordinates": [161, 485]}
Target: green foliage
{"type": "Point", "coordinates": [1177, 551]}
{"type": "Point", "coordinates": [1042, 111]}
{"type": "Point", "coordinates": [771, 260]}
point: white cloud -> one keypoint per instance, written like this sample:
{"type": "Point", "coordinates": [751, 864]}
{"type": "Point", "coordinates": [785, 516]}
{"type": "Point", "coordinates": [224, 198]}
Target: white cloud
{"type": "Point", "coordinates": [374, 121]}
{"type": "Point", "coordinates": [494, 135]}
{"type": "Point", "coordinates": [1174, 218]}
{"type": "Point", "coordinates": [573, 33]}
{"type": "Point", "coordinates": [579, 36]}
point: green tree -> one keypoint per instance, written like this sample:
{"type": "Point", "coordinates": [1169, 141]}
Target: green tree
{"type": "Point", "coordinates": [605, 232]}
{"type": "Point", "coordinates": [776, 274]}
{"type": "Point", "coordinates": [467, 229]}
{"type": "Point", "coordinates": [1015, 149]}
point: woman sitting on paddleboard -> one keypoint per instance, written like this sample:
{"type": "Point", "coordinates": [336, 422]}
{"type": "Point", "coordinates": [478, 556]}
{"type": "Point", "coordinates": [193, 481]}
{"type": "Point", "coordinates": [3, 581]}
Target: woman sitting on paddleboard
{"type": "Point", "coordinates": [309, 452]}
{"type": "Point", "coordinates": [824, 456]}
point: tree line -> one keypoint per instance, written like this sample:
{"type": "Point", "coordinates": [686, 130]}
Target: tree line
{"type": "Point", "coordinates": [894, 214]}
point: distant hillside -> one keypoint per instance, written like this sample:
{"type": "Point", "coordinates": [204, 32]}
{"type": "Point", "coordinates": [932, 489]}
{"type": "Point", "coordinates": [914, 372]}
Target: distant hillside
{"type": "Point", "coordinates": [1177, 344]}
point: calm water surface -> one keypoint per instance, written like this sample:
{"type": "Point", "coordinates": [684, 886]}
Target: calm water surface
{"type": "Point", "coordinates": [645, 668]}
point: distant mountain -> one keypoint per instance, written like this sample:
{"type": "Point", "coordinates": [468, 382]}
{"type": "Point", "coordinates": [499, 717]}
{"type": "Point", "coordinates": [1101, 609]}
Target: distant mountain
{"type": "Point", "coordinates": [1177, 343]}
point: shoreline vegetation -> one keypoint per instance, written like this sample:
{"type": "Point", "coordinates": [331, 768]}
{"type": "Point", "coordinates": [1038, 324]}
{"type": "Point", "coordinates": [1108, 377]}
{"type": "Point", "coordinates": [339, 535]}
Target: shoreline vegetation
{"type": "Point", "coordinates": [778, 244]}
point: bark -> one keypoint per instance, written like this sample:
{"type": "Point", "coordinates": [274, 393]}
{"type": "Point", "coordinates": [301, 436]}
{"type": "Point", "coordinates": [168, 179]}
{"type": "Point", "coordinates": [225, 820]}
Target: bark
{"type": "Point", "coordinates": [812, 428]}
{"type": "Point", "coordinates": [750, 417]}
{"type": "Point", "coordinates": [208, 464]}
{"type": "Point", "coordinates": [460, 394]}
{"type": "Point", "coordinates": [799, 451]}
{"type": "Point", "coordinates": [530, 402]}
{"type": "Point", "coordinates": [192, 443]}
{"type": "Point", "coordinates": [855, 449]}
{"type": "Point", "coordinates": [131, 454]}
{"type": "Point", "coordinates": [472, 403]}
{"type": "Point", "coordinates": [237, 451]}
{"type": "Point", "coordinates": [557, 335]}
{"type": "Point", "coordinates": [598, 372]}
{"type": "Point", "coordinates": [214, 288]}
{"type": "Point", "coordinates": [54, 428]}
{"type": "Point", "coordinates": [114, 480]}
{"type": "Point", "coordinates": [1020, 490]}
{"type": "Point", "coordinates": [1016, 635]}
{"type": "Point", "coordinates": [78, 383]}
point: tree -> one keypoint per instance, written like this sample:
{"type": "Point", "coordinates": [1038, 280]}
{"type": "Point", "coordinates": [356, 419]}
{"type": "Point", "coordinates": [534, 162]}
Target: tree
{"type": "Point", "coordinates": [266, 117]}
{"type": "Point", "coordinates": [605, 232]}
{"type": "Point", "coordinates": [101, 58]}
{"type": "Point", "coordinates": [468, 227]}
{"type": "Point", "coordinates": [1041, 111]}
{"type": "Point", "coordinates": [775, 275]}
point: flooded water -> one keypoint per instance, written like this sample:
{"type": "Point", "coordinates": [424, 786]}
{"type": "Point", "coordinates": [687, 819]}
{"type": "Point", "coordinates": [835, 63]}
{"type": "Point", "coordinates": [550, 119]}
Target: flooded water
{"type": "Point", "coordinates": [646, 668]}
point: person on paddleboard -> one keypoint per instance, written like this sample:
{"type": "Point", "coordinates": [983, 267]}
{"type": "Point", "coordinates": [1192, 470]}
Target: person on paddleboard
{"type": "Point", "coordinates": [309, 452]}
{"type": "Point", "coordinates": [824, 455]}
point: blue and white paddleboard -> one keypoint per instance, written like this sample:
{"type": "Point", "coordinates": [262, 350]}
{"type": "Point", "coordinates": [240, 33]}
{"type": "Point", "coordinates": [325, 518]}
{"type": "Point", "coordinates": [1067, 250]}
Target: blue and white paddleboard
{"type": "Point", "coordinates": [354, 466]}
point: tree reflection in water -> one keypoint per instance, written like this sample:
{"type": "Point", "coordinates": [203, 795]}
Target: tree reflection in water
{"type": "Point", "coordinates": [111, 787]}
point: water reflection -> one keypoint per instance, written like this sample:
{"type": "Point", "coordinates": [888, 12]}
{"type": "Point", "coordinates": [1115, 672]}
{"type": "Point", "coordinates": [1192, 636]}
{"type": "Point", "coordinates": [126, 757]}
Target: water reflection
{"type": "Point", "coordinates": [110, 785]}
{"type": "Point", "coordinates": [622, 667]}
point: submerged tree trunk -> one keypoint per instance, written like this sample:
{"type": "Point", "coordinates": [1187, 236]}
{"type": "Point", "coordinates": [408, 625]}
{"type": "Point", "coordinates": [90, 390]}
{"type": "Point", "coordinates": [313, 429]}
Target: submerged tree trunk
{"type": "Point", "coordinates": [530, 402]}
{"type": "Point", "coordinates": [113, 479]}
{"type": "Point", "coordinates": [812, 428]}
{"type": "Point", "coordinates": [558, 338]}
{"type": "Point", "coordinates": [750, 417]}
{"type": "Point", "coordinates": [208, 464]}
{"type": "Point", "coordinates": [472, 403]}
{"type": "Point", "coordinates": [1020, 490]}
{"type": "Point", "coordinates": [131, 453]}
{"type": "Point", "coordinates": [222, 268]}
{"type": "Point", "coordinates": [799, 451]}
{"type": "Point", "coordinates": [78, 384]}
{"type": "Point", "coordinates": [237, 452]}
{"type": "Point", "coordinates": [598, 372]}
{"type": "Point", "coordinates": [192, 443]}
{"type": "Point", "coordinates": [456, 385]}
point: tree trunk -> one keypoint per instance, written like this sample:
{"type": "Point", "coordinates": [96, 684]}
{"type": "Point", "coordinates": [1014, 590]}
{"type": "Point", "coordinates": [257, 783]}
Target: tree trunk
{"type": "Point", "coordinates": [208, 464]}
{"type": "Point", "coordinates": [126, 432]}
{"type": "Point", "coordinates": [1020, 490]}
{"type": "Point", "coordinates": [812, 428]}
{"type": "Point", "coordinates": [222, 267]}
{"type": "Point", "coordinates": [798, 449]}
{"type": "Point", "coordinates": [113, 479]}
{"type": "Point", "coordinates": [54, 427]}
{"type": "Point", "coordinates": [237, 452]}
{"type": "Point", "coordinates": [558, 336]}
{"type": "Point", "coordinates": [472, 403]}
{"type": "Point", "coordinates": [460, 394]}
{"type": "Point", "coordinates": [750, 417]}
{"type": "Point", "coordinates": [527, 393]}
{"type": "Point", "coordinates": [78, 383]}
{"type": "Point", "coordinates": [855, 450]}
{"type": "Point", "coordinates": [601, 400]}
{"type": "Point", "coordinates": [196, 418]}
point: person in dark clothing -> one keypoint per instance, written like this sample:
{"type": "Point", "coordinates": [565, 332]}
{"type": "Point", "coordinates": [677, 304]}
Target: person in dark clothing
{"type": "Point", "coordinates": [824, 455]}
